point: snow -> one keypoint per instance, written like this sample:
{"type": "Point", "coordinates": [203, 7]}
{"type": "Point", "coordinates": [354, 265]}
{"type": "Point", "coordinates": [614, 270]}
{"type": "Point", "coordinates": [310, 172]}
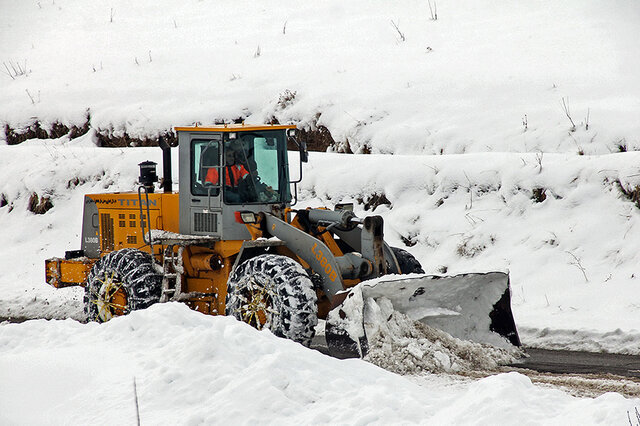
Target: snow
{"type": "Point", "coordinates": [459, 305]}
{"type": "Point", "coordinates": [487, 175]}
{"type": "Point", "coordinates": [195, 369]}
{"type": "Point", "coordinates": [402, 345]}
{"type": "Point", "coordinates": [455, 85]}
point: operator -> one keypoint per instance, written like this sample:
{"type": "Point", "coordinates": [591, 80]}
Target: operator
{"type": "Point", "coordinates": [234, 172]}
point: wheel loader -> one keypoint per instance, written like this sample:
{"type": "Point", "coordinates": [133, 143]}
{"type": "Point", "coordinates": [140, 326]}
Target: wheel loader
{"type": "Point", "coordinates": [231, 241]}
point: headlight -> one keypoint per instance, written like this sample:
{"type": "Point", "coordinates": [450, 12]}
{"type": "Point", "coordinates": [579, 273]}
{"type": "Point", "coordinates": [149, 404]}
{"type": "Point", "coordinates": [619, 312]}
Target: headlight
{"type": "Point", "coordinates": [246, 217]}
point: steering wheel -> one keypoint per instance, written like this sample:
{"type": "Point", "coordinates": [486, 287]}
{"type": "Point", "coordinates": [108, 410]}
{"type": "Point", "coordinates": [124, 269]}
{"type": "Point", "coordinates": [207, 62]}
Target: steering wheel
{"type": "Point", "coordinates": [248, 189]}
{"type": "Point", "coordinates": [203, 187]}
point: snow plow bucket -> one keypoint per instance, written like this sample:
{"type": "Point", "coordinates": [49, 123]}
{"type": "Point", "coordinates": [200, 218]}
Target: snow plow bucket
{"type": "Point", "coordinates": [475, 307]}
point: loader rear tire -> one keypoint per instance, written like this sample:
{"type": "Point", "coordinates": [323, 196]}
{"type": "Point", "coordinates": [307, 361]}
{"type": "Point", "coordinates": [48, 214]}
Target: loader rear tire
{"type": "Point", "coordinates": [120, 282]}
{"type": "Point", "coordinates": [407, 262]}
{"type": "Point", "coordinates": [274, 292]}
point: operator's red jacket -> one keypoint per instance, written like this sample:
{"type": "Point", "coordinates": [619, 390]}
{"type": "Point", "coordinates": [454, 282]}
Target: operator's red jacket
{"type": "Point", "coordinates": [232, 179]}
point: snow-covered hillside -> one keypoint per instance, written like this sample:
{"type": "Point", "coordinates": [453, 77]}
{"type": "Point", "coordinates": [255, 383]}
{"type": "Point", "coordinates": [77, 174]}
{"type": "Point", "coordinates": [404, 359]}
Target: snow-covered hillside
{"type": "Point", "coordinates": [559, 224]}
{"type": "Point", "coordinates": [513, 129]}
{"type": "Point", "coordinates": [465, 82]}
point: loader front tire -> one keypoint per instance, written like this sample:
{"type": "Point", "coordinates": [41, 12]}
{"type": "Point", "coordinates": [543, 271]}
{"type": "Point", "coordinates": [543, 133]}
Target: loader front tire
{"type": "Point", "coordinates": [120, 282]}
{"type": "Point", "coordinates": [274, 292]}
{"type": "Point", "coordinates": [407, 262]}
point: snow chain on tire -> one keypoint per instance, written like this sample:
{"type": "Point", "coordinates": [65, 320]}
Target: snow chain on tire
{"type": "Point", "coordinates": [120, 282]}
{"type": "Point", "coordinates": [407, 262]}
{"type": "Point", "coordinates": [274, 292]}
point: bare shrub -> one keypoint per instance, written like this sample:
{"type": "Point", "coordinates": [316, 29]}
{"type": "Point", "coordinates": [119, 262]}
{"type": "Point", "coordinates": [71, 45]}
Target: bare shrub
{"type": "Point", "coordinates": [631, 194]}
{"type": "Point", "coordinates": [400, 33]}
{"type": "Point", "coordinates": [469, 249]}
{"type": "Point", "coordinates": [565, 108]}
{"type": "Point", "coordinates": [622, 145]}
{"type": "Point", "coordinates": [586, 121]}
{"type": "Point", "coordinates": [433, 10]}
{"type": "Point", "coordinates": [371, 202]}
{"type": "Point", "coordinates": [578, 264]}
{"type": "Point", "coordinates": [286, 99]}
{"type": "Point", "coordinates": [16, 69]}
{"type": "Point", "coordinates": [410, 240]}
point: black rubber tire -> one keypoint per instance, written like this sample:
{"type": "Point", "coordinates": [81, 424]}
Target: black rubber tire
{"type": "Point", "coordinates": [279, 290]}
{"type": "Point", "coordinates": [128, 271]}
{"type": "Point", "coordinates": [407, 262]}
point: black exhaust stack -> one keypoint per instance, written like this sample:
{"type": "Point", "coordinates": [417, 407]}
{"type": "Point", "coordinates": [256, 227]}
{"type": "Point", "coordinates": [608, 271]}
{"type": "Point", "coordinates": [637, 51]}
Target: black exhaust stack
{"type": "Point", "coordinates": [148, 175]}
{"type": "Point", "coordinates": [167, 184]}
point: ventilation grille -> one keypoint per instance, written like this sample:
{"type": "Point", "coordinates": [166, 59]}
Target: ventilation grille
{"type": "Point", "coordinates": [205, 222]}
{"type": "Point", "coordinates": [106, 232]}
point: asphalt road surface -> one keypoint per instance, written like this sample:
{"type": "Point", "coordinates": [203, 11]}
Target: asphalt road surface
{"type": "Point", "coordinates": [573, 362]}
{"type": "Point", "coordinates": [561, 361]}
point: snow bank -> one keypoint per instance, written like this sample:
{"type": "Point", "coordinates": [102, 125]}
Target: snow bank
{"type": "Point", "coordinates": [194, 369]}
{"type": "Point", "coordinates": [616, 341]}
{"type": "Point", "coordinates": [572, 254]}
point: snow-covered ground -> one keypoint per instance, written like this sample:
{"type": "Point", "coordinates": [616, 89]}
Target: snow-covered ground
{"type": "Point", "coordinates": [489, 173]}
{"type": "Point", "coordinates": [192, 369]}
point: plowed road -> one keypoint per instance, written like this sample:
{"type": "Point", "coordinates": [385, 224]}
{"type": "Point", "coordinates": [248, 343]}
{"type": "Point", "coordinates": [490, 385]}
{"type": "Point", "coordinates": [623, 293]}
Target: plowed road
{"type": "Point", "coordinates": [560, 361]}
{"type": "Point", "coordinates": [551, 361]}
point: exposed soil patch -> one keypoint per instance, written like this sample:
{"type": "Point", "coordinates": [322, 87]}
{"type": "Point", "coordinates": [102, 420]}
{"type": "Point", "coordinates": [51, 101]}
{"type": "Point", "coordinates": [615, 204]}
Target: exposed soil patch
{"type": "Point", "coordinates": [539, 194]}
{"type": "Point", "coordinates": [13, 320]}
{"type": "Point", "coordinates": [107, 138]}
{"type": "Point", "coordinates": [36, 130]}
{"type": "Point", "coordinates": [318, 139]}
{"type": "Point", "coordinates": [39, 205]}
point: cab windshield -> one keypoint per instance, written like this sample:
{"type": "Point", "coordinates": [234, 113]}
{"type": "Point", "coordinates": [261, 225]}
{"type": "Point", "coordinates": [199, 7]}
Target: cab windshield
{"type": "Point", "coordinates": [252, 170]}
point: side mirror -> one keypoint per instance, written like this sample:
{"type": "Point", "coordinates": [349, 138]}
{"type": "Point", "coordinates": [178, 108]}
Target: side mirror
{"type": "Point", "coordinates": [304, 154]}
{"type": "Point", "coordinates": [304, 158]}
{"type": "Point", "coordinates": [302, 146]}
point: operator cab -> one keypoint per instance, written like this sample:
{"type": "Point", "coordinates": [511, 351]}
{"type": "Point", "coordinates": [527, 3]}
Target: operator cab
{"type": "Point", "coordinates": [230, 168]}
{"type": "Point", "coordinates": [252, 167]}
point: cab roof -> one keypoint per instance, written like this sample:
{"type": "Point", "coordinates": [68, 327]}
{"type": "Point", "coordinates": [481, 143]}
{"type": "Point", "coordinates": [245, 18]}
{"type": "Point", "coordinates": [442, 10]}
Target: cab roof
{"type": "Point", "coordinates": [234, 127]}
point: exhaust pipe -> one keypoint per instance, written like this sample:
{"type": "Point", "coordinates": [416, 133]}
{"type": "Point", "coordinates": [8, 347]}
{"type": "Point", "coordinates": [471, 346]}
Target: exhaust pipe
{"type": "Point", "coordinates": [167, 183]}
{"type": "Point", "coordinates": [147, 175]}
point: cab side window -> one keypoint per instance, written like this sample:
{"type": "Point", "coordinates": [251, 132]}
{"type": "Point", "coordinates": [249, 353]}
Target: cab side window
{"type": "Point", "coordinates": [205, 162]}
